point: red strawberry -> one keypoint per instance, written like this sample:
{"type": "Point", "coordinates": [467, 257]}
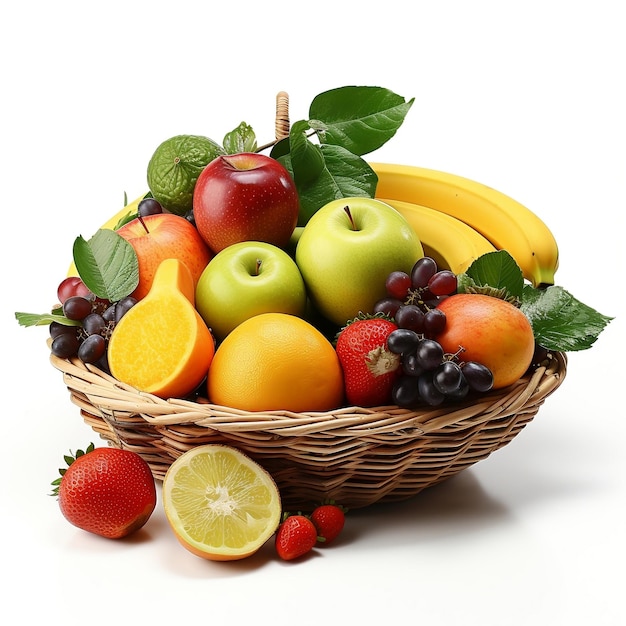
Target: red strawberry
{"type": "Point", "coordinates": [295, 537]}
{"type": "Point", "coordinates": [329, 520]}
{"type": "Point", "coordinates": [369, 367]}
{"type": "Point", "coordinates": [106, 491]}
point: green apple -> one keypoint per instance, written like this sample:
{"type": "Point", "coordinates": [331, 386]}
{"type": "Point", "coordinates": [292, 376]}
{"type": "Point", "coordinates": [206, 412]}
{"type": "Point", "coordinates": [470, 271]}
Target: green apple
{"type": "Point", "coordinates": [347, 250]}
{"type": "Point", "coordinates": [246, 279]}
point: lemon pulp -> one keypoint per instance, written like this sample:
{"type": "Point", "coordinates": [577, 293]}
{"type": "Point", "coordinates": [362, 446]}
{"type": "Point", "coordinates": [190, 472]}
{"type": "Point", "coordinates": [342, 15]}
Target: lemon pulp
{"type": "Point", "coordinates": [221, 504]}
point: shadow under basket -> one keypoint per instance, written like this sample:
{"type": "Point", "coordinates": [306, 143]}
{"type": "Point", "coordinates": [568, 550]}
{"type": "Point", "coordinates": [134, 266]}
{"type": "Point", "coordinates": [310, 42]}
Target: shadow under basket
{"type": "Point", "coordinates": [355, 456]}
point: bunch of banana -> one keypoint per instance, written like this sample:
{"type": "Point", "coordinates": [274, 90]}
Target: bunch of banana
{"type": "Point", "coordinates": [504, 222]}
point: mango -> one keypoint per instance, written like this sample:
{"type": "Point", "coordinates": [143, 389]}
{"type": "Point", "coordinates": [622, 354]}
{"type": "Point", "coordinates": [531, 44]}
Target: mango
{"type": "Point", "coordinates": [162, 346]}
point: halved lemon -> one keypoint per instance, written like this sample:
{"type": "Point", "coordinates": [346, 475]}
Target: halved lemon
{"type": "Point", "coordinates": [220, 503]}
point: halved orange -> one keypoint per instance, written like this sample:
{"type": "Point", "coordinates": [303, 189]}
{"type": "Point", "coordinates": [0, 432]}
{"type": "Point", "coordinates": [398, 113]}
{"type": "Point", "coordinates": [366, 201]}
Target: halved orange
{"type": "Point", "coordinates": [221, 504]}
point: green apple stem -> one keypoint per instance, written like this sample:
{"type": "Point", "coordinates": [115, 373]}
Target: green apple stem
{"type": "Point", "coordinates": [258, 267]}
{"type": "Point", "coordinates": [349, 214]}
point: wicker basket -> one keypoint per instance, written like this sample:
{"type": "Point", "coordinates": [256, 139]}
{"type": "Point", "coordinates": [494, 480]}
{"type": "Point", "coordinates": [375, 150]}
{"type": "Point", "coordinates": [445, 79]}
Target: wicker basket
{"type": "Point", "coordinates": [355, 456]}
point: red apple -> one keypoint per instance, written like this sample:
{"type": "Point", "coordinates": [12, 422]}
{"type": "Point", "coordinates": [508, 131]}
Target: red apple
{"type": "Point", "coordinates": [164, 236]}
{"type": "Point", "coordinates": [245, 197]}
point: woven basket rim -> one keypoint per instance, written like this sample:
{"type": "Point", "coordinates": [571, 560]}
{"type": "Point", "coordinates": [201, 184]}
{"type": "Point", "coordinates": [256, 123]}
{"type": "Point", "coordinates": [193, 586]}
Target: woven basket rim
{"type": "Point", "coordinates": [118, 398]}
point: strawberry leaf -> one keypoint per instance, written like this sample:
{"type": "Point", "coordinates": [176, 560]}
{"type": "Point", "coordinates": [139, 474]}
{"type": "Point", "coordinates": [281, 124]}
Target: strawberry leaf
{"type": "Point", "coordinates": [69, 459]}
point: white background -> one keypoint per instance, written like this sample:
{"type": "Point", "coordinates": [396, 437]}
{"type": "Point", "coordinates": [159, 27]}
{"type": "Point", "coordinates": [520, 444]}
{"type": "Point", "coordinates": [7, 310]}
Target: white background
{"type": "Point", "coordinates": [526, 97]}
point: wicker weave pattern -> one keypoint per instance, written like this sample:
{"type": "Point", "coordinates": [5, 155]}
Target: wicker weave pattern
{"type": "Point", "coordinates": [355, 456]}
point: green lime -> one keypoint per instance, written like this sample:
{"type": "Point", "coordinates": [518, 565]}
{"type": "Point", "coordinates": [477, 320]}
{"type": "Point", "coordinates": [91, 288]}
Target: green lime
{"type": "Point", "coordinates": [174, 169]}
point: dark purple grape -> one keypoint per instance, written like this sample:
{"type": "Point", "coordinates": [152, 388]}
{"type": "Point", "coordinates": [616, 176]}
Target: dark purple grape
{"type": "Point", "coordinates": [388, 306]}
{"type": "Point", "coordinates": [103, 363]}
{"type": "Point", "coordinates": [109, 314]}
{"type": "Point", "coordinates": [123, 306]}
{"type": "Point", "coordinates": [410, 365]}
{"type": "Point", "coordinates": [429, 354]}
{"type": "Point", "coordinates": [478, 376]}
{"type": "Point", "coordinates": [422, 270]}
{"type": "Point", "coordinates": [94, 324]}
{"type": "Point", "coordinates": [434, 322]}
{"type": "Point", "coordinates": [410, 316]}
{"type": "Point", "coordinates": [442, 283]}
{"type": "Point", "coordinates": [402, 341]}
{"type": "Point", "coordinates": [56, 329]}
{"type": "Point", "coordinates": [76, 308]}
{"type": "Point", "coordinates": [405, 392]}
{"type": "Point", "coordinates": [447, 377]}
{"type": "Point", "coordinates": [460, 392]}
{"type": "Point", "coordinates": [65, 345]}
{"type": "Point", "coordinates": [427, 390]}
{"type": "Point", "coordinates": [398, 284]}
{"type": "Point", "coordinates": [149, 206]}
{"type": "Point", "coordinates": [92, 349]}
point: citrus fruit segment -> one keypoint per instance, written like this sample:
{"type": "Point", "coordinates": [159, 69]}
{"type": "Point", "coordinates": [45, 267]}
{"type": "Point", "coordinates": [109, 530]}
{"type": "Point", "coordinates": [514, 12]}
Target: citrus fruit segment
{"type": "Point", "coordinates": [220, 504]}
{"type": "Point", "coordinates": [162, 345]}
{"type": "Point", "coordinates": [174, 169]}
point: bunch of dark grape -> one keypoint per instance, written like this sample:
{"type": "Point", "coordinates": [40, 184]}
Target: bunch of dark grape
{"type": "Point", "coordinates": [430, 376]}
{"type": "Point", "coordinates": [412, 299]}
{"type": "Point", "coordinates": [95, 319]}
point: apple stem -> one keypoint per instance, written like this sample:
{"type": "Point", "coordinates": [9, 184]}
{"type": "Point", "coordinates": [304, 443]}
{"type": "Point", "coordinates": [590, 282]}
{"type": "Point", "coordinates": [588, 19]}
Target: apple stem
{"type": "Point", "coordinates": [349, 214]}
{"type": "Point", "coordinates": [258, 266]}
{"type": "Point", "coordinates": [140, 218]}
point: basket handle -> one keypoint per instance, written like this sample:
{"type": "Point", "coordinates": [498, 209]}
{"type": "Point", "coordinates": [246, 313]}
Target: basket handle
{"type": "Point", "coordinates": [282, 115]}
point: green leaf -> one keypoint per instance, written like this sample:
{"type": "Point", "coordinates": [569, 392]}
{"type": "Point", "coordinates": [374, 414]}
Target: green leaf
{"type": "Point", "coordinates": [241, 139]}
{"type": "Point", "coordinates": [344, 175]}
{"type": "Point", "coordinates": [360, 119]}
{"type": "Point", "coordinates": [129, 217]}
{"type": "Point", "coordinates": [497, 270]}
{"type": "Point", "coordinates": [35, 319]}
{"type": "Point", "coordinates": [69, 459]}
{"type": "Point", "coordinates": [307, 159]}
{"type": "Point", "coordinates": [560, 321]}
{"type": "Point", "coordinates": [107, 264]}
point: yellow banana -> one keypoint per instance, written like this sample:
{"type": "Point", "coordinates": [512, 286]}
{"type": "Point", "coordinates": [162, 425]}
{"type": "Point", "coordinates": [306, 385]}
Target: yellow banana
{"type": "Point", "coordinates": [131, 207]}
{"type": "Point", "coordinates": [452, 243]}
{"type": "Point", "coordinates": [506, 223]}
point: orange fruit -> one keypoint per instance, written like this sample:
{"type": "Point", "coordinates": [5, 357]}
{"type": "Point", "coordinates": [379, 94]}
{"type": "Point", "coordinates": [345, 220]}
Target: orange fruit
{"type": "Point", "coordinates": [220, 504]}
{"type": "Point", "coordinates": [275, 361]}
{"type": "Point", "coordinates": [491, 331]}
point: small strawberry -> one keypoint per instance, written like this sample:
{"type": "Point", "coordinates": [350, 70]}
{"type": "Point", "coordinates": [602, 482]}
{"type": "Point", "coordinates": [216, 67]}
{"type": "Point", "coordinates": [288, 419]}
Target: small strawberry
{"type": "Point", "coordinates": [295, 537]}
{"type": "Point", "coordinates": [329, 520]}
{"type": "Point", "coordinates": [106, 491]}
{"type": "Point", "coordinates": [370, 368]}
